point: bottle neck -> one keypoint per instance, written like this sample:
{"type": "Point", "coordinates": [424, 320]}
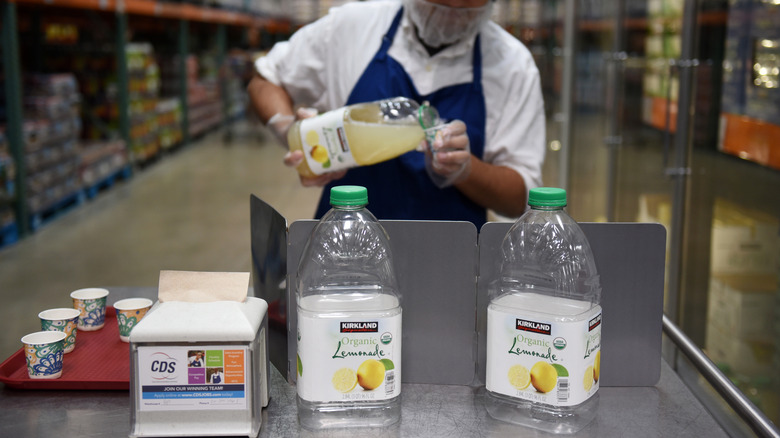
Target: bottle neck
{"type": "Point", "coordinates": [349, 207]}
{"type": "Point", "coordinates": [546, 208]}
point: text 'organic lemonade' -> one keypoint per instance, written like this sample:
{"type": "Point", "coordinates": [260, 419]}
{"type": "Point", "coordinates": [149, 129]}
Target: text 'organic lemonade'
{"type": "Point", "coordinates": [544, 322]}
{"type": "Point", "coordinates": [349, 320]}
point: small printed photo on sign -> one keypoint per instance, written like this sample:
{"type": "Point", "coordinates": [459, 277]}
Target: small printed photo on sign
{"type": "Point", "coordinates": [215, 375]}
{"type": "Point", "coordinates": [196, 358]}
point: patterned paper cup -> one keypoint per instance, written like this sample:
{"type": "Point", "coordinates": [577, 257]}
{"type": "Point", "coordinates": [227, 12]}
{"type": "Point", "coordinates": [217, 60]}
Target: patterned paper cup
{"type": "Point", "coordinates": [128, 312]}
{"type": "Point", "coordinates": [91, 302]}
{"type": "Point", "coordinates": [44, 351]}
{"type": "Point", "coordinates": [62, 320]}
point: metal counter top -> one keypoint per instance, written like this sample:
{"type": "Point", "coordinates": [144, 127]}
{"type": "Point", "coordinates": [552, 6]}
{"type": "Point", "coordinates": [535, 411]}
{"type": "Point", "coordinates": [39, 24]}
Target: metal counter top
{"type": "Point", "coordinates": [667, 409]}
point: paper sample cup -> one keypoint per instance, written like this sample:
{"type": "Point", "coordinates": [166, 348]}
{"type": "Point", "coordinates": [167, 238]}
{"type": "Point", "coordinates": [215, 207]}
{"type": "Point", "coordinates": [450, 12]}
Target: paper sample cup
{"type": "Point", "coordinates": [62, 320]}
{"type": "Point", "coordinates": [91, 302]}
{"type": "Point", "coordinates": [44, 351]}
{"type": "Point", "coordinates": [128, 312]}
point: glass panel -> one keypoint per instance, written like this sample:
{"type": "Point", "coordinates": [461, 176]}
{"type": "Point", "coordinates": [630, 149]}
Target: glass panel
{"type": "Point", "coordinates": [721, 205]}
{"type": "Point", "coordinates": [732, 236]}
{"type": "Point", "coordinates": [539, 25]}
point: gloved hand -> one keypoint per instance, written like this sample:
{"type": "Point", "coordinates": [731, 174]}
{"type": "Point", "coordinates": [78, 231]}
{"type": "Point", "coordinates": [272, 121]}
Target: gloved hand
{"type": "Point", "coordinates": [280, 123]}
{"type": "Point", "coordinates": [448, 157]}
{"type": "Point", "coordinates": [293, 159]}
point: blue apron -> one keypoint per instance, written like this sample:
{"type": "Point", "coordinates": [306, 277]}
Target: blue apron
{"type": "Point", "coordinates": [401, 188]}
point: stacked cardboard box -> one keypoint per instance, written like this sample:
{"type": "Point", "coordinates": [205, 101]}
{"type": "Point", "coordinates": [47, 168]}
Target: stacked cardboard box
{"type": "Point", "coordinates": [744, 292]}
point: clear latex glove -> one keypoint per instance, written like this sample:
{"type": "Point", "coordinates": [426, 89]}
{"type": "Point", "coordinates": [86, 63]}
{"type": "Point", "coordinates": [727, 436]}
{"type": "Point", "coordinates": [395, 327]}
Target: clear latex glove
{"type": "Point", "coordinates": [448, 157]}
{"type": "Point", "coordinates": [295, 158]}
{"type": "Point", "coordinates": [280, 123]}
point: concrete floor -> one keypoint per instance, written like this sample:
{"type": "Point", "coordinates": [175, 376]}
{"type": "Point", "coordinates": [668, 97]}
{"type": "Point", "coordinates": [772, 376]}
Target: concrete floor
{"type": "Point", "coordinates": [188, 211]}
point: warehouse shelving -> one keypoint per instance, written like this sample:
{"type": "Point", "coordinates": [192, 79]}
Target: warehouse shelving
{"type": "Point", "coordinates": [144, 121]}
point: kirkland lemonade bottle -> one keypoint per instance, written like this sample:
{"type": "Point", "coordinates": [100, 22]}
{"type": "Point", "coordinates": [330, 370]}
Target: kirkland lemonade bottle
{"type": "Point", "coordinates": [544, 322]}
{"type": "Point", "coordinates": [349, 320]}
{"type": "Point", "coordinates": [360, 135]}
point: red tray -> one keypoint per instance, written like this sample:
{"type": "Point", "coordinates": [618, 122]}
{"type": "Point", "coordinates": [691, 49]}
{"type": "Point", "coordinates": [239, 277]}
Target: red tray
{"type": "Point", "coordinates": [99, 361]}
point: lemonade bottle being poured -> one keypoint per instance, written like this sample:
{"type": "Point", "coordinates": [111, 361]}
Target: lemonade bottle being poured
{"type": "Point", "coordinates": [349, 320]}
{"type": "Point", "coordinates": [360, 135]}
{"type": "Point", "coordinates": [544, 322]}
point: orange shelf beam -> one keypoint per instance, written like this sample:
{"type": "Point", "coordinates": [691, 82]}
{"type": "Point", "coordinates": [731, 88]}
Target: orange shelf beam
{"type": "Point", "coordinates": [153, 8]}
{"type": "Point", "coordinates": [751, 139]}
{"type": "Point", "coordinates": [97, 5]}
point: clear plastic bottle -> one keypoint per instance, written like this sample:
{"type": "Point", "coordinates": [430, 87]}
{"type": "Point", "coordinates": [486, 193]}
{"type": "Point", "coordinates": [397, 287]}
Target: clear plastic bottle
{"type": "Point", "coordinates": [360, 135]}
{"type": "Point", "coordinates": [544, 322]}
{"type": "Point", "coordinates": [349, 320]}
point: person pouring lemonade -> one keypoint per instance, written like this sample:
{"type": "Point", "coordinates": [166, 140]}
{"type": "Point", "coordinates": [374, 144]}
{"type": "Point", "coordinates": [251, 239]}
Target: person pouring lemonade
{"type": "Point", "coordinates": [482, 81]}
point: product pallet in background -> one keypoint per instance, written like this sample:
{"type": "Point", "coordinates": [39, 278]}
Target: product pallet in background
{"type": "Point", "coordinates": [51, 129]}
{"type": "Point", "coordinates": [204, 100]}
{"type": "Point", "coordinates": [8, 229]}
{"type": "Point", "coordinates": [144, 136]}
{"type": "Point", "coordinates": [663, 43]}
{"type": "Point", "coordinates": [750, 105]}
{"type": "Point", "coordinates": [169, 132]}
{"type": "Point", "coordinates": [238, 68]}
{"type": "Point", "coordinates": [144, 93]}
{"type": "Point", "coordinates": [205, 107]}
{"type": "Point", "coordinates": [102, 163]}
{"type": "Point", "coordinates": [101, 109]}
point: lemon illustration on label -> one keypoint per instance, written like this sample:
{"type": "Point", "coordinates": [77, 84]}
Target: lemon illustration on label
{"type": "Point", "coordinates": [344, 380]}
{"type": "Point", "coordinates": [544, 377]}
{"type": "Point", "coordinates": [519, 377]}
{"type": "Point", "coordinates": [319, 154]}
{"type": "Point", "coordinates": [312, 138]}
{"type": "Point", "coordinates": [587, 380]}
{"type": "Point", "coordinates": [371, 374]}
{"type": "Point", "coordinates": [597, 366]}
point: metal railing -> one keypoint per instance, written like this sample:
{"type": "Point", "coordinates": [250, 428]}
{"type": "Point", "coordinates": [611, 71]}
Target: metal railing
{"type": "Point", "coordinates": [753, 416]}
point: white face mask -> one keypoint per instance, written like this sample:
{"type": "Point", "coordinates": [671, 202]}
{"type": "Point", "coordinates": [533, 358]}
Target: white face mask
{"type": "Point", "coordinates": [439, 25]}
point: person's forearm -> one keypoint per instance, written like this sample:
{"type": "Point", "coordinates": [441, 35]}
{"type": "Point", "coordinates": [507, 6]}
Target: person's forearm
{"type": "Point", "coordinates": [268, 99]}
{"type": "Point", "coordinates": [498, 188]}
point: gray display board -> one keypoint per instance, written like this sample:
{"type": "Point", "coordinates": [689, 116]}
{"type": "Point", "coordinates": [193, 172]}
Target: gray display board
{"type": "Point", "coordinates": [269, 273]}
{"type": "Point", "coordinates": [630, 261]}
{"type": "Point", "coordinates": [443, 270]}
{"type": "Point", "coordinates": [436, 269]}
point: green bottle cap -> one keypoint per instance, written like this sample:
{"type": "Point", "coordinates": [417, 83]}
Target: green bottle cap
{"type": "Point", "coordinates": [348, 195]}
{"type": "Point", "coordinates": [547, 197]}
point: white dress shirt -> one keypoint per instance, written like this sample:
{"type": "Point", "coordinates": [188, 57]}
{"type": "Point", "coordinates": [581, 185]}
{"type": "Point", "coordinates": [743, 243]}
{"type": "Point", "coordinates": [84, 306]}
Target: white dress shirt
{"type": "Point", "coordinates": [320, 65]}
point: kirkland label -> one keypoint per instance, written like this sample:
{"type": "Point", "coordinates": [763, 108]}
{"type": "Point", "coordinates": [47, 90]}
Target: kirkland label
{"type": "Point", "coordinates": [349, 359]}
{"type": "Point", "coordinates": [556, 363]}
{"type": "Point", "coordinates": [192, 378]}
{"type": "Point", "coordinates": [325, 144]}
